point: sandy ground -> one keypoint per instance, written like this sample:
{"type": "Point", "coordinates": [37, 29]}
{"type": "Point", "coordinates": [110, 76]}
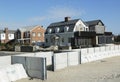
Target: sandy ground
{"type": "Point", "coordinates": [106, 70]}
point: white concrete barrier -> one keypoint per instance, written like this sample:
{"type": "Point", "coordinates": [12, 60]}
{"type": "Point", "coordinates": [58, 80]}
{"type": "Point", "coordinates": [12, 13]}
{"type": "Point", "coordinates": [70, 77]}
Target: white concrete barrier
{"type": "Point", "coordinates": [84, 59]}
{"type": "Point", "coordinates": [73, 58]}
{"type": "Point", "coordinates": [97, 49]}
{"type": "Point", "coordinates": [12, 73]}
{"type": "Point", "coordinates": [91, 50]}
{"type": "Point", "coordinates": [112, 48]}
{"type": "Point", "coordinates": [5, 61]}
{"type": "Point", "coordinates": [84, 51]}
{"type": "Point", "coordinates": [47, 55]}
{"type": "Point", "coordinates": [78, 50]}
{"type": "Point", "coordinates": [3, 76]}
{"type": "Point", "coordinates": [35, 66]}
{"type": "Point", "coordinates": [107, 48]}
{"type": "Point", "coordinates": [21, 73]}
{"type": "Point", "coordinates": [102, 49]}
{"type": "Point", "coordinates": [59, 61]}
{"type": "Point", "coordinates": [98, 53]}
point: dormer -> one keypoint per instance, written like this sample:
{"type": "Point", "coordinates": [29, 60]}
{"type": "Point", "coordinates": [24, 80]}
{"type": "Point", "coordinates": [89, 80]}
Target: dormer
{"type": "Point", "coordinates": [49, 30]}
{"type": "Point", "coordinates": [57, 29]}
{"type": "Point", "coordinates": [66, 28]}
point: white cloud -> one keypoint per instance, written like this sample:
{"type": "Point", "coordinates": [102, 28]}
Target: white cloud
{"type": "Point", "coordinates": [57, 12]}
{"type": "Point", "coordinates": [60, 12]}
{"type": "Point", "coordinates": [37, 18]}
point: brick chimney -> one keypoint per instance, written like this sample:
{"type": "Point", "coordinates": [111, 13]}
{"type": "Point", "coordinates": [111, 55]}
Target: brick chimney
{"type": "Point", "coordinates": [6, 35]}
{"type": "Point", "coordinates": [67, 19]}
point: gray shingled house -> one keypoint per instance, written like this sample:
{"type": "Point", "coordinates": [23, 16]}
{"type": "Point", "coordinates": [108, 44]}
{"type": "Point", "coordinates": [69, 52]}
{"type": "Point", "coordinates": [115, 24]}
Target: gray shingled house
{"type": "Point", "coordinates": [102, 37]}
{"type": "Point", "coordinates": [77, 33]}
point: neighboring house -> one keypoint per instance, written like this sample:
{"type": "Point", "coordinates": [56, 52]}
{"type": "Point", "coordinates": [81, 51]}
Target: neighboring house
{"type": "Point", "coordinates": [6, 35]}
{"type": "Point", "coordinates": [75, 33]}
{"type": "Point", "coordinates": [102, 37]}
{"type": "Point", "coordinates": [30, 34]}
{"type": "Point", "coordinates": [66, 33]}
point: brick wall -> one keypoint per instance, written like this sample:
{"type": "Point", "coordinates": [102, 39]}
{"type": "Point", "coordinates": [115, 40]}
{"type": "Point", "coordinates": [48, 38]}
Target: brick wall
{"type": "Point", "coordinates": [39, 34]}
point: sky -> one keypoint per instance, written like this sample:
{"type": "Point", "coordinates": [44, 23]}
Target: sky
{"type": "Point", "coordinates": [19, 13]}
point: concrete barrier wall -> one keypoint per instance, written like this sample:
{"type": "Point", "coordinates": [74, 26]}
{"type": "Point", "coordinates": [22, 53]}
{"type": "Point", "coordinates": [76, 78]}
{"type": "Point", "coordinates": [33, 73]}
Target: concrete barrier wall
{"type": "Point", "coordinates": [5, 61]}
{"type": "Point", "coordinates": [102, 49]}
{"type": "Point", "coordinates": [97, 49]}
{"type": "Point", "coordinates": [84, 51]}
{"type": "Point", "coordinates": [63, 60]}
{"type": "Point", "coordinates": [35, 66]}
{"type": "Point", "coordinates": [100, 53]}
{"type": "Point", "coordinates": [107, 48]}
{"type": "Point", "coordinates": [91, 50]}
{"type": "Point", "coordinates": [73, 58]}
{"type": "Point", "coordinates": [12, 73]}
{"type": "Point", "coordinates": [93, 54]}
{"type": "Point", "coordinates": [59, 61]}
{"type": "Point", "coordinates": [47, 55]}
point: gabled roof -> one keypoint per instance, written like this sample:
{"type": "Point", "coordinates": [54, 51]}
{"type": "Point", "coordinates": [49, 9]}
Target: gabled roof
{"type": "Point", "coordinates": [27, 28]}
{"type": "Point", "coordinates": [9, 31]}
{"type": "Point", "coordinates": [93, 22]}
{"type": "Point", "coordinates": [1, 31]}
{"type": "Point", "coordinates": [62, 24]}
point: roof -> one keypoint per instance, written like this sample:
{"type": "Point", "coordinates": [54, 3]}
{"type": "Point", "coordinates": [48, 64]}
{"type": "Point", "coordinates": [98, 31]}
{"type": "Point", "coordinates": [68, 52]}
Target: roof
{"type": "Point", "coordinates": [27, 28]}
{"type": "Point", "coordinates": [62, 24]}
{"type": "Point", "coordinates": [1, 31]}
{"type": "Point", "coordinates": [93, 22]}
{"type": "Point", "coordinates": [9, 31]}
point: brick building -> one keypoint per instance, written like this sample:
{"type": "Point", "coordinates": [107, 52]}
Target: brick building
{"type": "Point", "coordinates": [30, 34]}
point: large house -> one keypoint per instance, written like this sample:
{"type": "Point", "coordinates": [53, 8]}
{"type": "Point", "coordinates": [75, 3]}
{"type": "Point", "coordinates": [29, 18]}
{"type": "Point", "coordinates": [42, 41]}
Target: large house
{"type": "Point", "coordinates": [76, 33]}
{"type": "Point", "coordinates": [6, 35]}
{"type": "Point", "coordinates": [102, 37]}
{"type": "Point", "coordinates": [30, 34]}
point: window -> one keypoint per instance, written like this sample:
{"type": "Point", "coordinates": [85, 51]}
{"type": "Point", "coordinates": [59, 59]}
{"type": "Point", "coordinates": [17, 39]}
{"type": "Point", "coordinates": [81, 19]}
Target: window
{"type": "Point", "coordinates": [39, 34]}
{"type": "Point", "coordinates": [86, 29]}
{"type": "Point", "coordinates": [62, 39]}
{"type": "Point", "coordinates": [33, 41]}
{"type": "Point", "coordinates": [66, 29]}
{"type": "Point", "coordinates": [9, 35]}
{"type": "Point", "coordinates": [3, 35]}
{"type": "Point", "coordinates": [46, 40]}
{"type": "Point", "coordinates": [57, 29]}
{"type": "Point", "coordinates": [49, 30]}
{"type": "Point", "coordinates": [81, 28]}
{"type": "Point", "coordinates": [33, 34]}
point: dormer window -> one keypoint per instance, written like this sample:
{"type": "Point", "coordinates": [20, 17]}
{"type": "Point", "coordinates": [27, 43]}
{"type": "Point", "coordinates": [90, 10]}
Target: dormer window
{"type": "Point", "coordinates": [57, 29]}
{"type": "Point", "coordinates": [66, 28]}
{"type": "Point", "coordinates": [49, 30]}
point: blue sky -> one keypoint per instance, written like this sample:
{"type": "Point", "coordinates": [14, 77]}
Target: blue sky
{"type": "Point", "coordinates": [18, 13]}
